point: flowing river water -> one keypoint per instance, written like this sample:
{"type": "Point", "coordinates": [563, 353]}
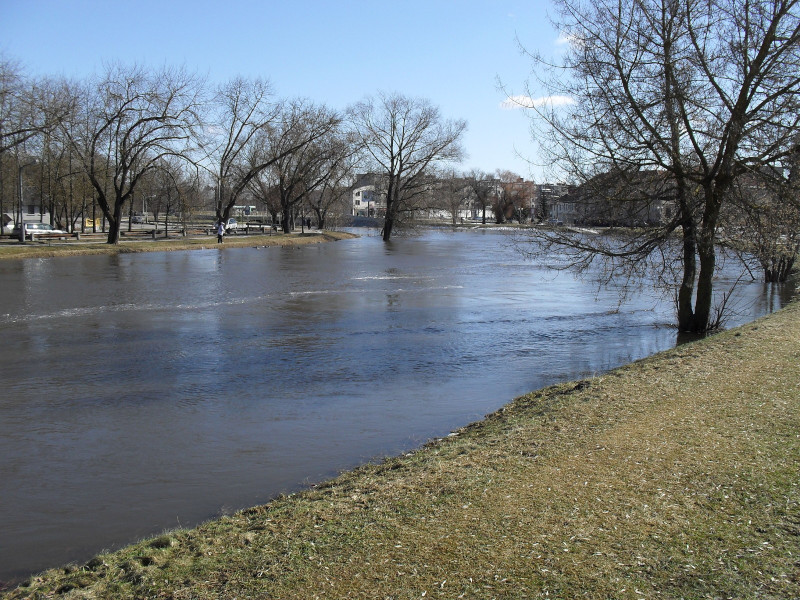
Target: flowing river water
{"type": "Point", "coordinates": [143, 392]}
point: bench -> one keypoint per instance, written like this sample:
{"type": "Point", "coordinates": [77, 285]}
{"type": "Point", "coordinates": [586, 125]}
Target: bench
{"type": "Point", "coordinates": [35, 237]}
{"type": "Point", "coordinates": [261, 228]}
{"type": "Point", "coordinates": [90, 235]}
{"type": "Point", "coordinates": [139, 233]}
{"type": "Point", "coordinates": [247, 228]}
{"type": "Point", "coordinates": [149, 233]}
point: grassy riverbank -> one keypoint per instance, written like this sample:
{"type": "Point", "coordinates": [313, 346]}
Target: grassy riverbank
{"type": "Point", "coordinates": [76, 248]}
{"type": "Point", "coordinates": [675, 477]}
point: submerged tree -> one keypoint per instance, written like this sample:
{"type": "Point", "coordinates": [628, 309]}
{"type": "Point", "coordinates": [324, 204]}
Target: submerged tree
{"type": "Point", "coordinates": [764, 219]}
{"type": "Point", "coordinates": [671, 102]}
{"type": "Point", "coordinates": [403, 139]}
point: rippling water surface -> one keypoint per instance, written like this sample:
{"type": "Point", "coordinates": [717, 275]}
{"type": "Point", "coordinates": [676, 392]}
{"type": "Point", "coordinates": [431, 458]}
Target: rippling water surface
{"type": "Point", "coordinates": [150, 391]}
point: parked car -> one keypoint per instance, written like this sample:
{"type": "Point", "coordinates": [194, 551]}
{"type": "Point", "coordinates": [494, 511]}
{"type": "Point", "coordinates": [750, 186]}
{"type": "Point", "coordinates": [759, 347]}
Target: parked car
{"type": "Point", "coordinates": [32, 229]}
{"type": "Point", "coordinates": [231, 225]}
{"type": "Point", "coordinates": [137, 219]}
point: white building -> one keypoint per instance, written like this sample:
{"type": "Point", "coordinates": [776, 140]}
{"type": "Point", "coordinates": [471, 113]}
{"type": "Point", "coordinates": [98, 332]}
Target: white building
{"type": "Point", "coordinates": [368, 199]}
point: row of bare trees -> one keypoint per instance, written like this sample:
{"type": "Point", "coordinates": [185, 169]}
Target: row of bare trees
{"type": "Point", "coordinates": [164, 135]}
{"type": "Point", "coordinates": [501, 197]}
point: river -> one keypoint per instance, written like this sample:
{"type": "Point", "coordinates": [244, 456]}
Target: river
{"type": "Point", "coordinates": [143, 392]}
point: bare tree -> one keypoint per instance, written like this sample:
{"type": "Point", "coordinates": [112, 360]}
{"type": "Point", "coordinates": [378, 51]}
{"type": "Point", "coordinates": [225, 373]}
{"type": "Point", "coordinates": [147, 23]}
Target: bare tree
{"type": "Point", "coordinates": [334, 190]}
{"type": "Point", "coordinates": [26, 109]}
{"type": "Point", "coordinates": [402, 139]}
{"type": "Point", "coordinates": [169, 186]}
{"type": "Point", "coordinates": [129, 120]}
{"type": "Point", "coordinates": [242, 142]}
{"type": "Point", "coordinates": [483, 189]}
{"type": "Point", "coordinates": [692, 93]}
{"type": "Point", "coordinates": [763, 220]}
{"type": "Point", "coordinates": [508, 203]}
{"type": "Point", "coordinates": [192, 199]}
{"type": "Point", "coordinates": [266, 194]}
{"type": "Point", "coordinates": [453, 194]}
{"type": "Point", "coordinates": [29, 109]}
{"type": "Point", "coordinates": [300, 151]}
{"type": "Point", "coordinates": [243, 111]}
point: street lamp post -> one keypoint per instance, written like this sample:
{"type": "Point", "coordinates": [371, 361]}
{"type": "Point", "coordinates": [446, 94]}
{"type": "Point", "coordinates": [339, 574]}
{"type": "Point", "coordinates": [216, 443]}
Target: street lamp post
{"type": "Point", "coordinates": [21, 225]}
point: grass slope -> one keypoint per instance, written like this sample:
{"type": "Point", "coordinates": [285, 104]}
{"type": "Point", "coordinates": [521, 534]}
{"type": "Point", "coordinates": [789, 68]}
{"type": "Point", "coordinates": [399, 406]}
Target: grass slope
{"type": "Point", "coordinates": [675, 477]}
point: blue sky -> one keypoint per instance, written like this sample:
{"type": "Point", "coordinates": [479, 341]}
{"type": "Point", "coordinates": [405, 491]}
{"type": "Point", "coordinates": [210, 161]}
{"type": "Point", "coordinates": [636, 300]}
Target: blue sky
{"type": "Point", "coordinates": [336, 52]}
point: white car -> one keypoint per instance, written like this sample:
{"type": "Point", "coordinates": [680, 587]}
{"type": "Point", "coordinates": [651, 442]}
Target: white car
{"type": "Point", "coordinates": [32, 229]}
{"type": "Point", "coordinates": [231, 225]}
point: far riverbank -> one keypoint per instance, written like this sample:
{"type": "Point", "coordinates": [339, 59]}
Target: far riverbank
{"type": "Point", "coordinates": [12, 250]}
{"type": "Point", "coordinates": [672, 477]}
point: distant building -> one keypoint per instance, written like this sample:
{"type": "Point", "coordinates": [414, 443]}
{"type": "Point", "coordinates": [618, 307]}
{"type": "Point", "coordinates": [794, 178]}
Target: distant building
{"type": "Point", "coordinates": [368, 198]}
{"type": "Point", "coordinates": [617, 199]}
{"type": "Point", "coordinates": [548, 206]}
{"type": "Point", "coordinates": [32, 212]}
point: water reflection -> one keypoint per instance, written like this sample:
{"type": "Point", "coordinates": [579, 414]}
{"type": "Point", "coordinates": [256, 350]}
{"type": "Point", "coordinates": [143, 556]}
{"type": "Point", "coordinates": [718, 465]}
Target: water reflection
{"type": "Point", "coordinates": [148, 391]}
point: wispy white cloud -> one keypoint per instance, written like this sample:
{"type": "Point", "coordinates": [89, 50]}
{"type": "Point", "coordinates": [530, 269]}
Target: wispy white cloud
{"type": "Point", "coordinates": [565, 38]}
{"type": "Point", "coordinates": [515, 102]}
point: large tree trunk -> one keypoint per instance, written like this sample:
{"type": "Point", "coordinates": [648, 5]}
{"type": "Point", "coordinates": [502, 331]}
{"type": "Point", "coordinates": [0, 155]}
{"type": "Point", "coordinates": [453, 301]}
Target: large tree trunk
{"type": "Point", "coordinates": [686, 291]}
{"type": "Point", "coordinates": [705, 284]}
{"type": "Point", "coordinates": [707, 254]}
{"type": "Point", "coordinates": [287, 213]}
{"type": "Point", "coordinates": [391, 210]}
{"type": "Point", "coordinates": [286, 223]}
{"type": "Point", "coordinates": [388, 224]}
{"type": "Point", "coordinates": [114, 223]}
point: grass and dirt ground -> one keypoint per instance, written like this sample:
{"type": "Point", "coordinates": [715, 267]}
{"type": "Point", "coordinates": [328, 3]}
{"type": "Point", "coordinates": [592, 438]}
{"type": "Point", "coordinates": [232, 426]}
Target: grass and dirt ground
{"type": "Point", "coordinates": [677, 476]}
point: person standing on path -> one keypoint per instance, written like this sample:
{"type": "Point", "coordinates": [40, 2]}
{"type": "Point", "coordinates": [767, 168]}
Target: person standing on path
{"type": "Point", "coordinates": [220, 231]}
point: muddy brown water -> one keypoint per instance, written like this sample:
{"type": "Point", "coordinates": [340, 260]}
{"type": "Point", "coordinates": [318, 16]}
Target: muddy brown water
{"type": "Point", "coordinates": [151, 391]}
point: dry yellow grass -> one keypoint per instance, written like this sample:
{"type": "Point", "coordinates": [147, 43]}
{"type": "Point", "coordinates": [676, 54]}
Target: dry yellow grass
{"type": "Point", "coordinates": [675, 477]}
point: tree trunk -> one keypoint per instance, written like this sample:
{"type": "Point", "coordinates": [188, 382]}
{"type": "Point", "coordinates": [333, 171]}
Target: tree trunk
{"type": "Point", "coordinates": [113, 233]}
{"type": "Point", "coordinates": [705, 285]}
{"type": "Point", "coordinates": [707, 254]}
{"type": "Point", "coordinates": [686, 291]}
{"type": "Point", "coordinates": [391, 210]}
{"type": "Point", "coordinates": [778, 269]}
{"type": "Point", "coordinates": [114, 225]}
{"type": "Point", "coordinates": [388, 224]}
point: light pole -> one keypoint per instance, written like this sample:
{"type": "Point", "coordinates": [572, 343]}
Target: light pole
{"type": "Point", "coordinates": [19, 181]}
